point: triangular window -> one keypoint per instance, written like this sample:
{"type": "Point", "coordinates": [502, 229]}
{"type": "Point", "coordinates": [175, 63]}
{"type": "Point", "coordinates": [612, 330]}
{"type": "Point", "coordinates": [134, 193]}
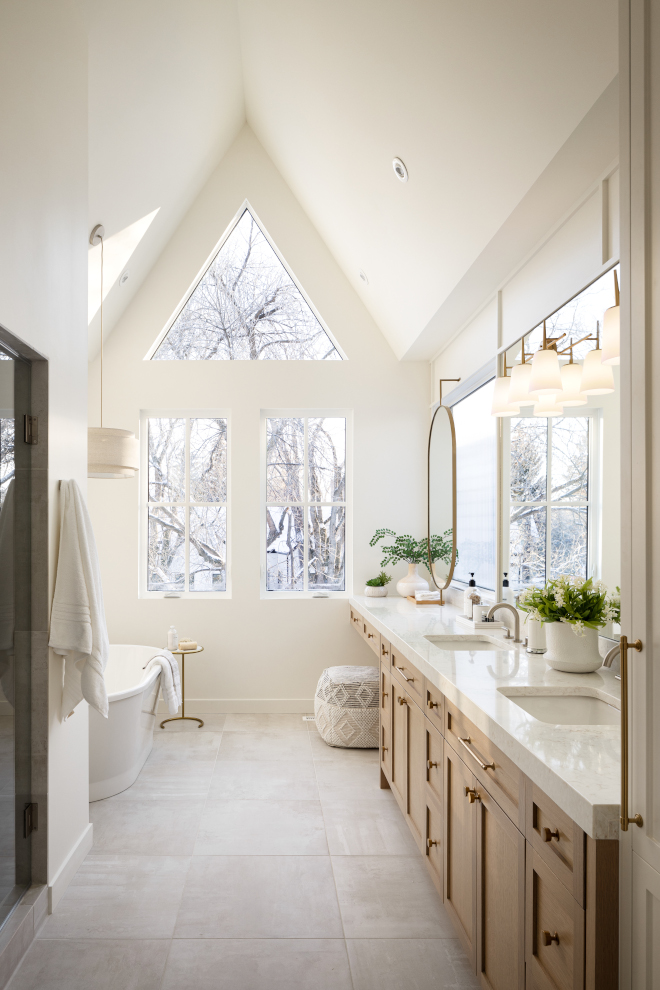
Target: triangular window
{"type": "Point", "coordinates": [246, 307]}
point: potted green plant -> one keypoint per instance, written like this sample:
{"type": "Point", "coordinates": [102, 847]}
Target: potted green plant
{"type": "Point", "coordinates": [413, 552]}
{"type": "Point", "coordinates": [377, 587]}
{"type": "Point", "coordinates": [574, 610]}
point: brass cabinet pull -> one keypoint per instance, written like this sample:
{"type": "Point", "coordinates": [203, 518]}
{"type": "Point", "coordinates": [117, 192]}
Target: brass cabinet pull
{"type": "Point", "coordinates": [402, 701]}
{"type": "Point", "coordinates": [383, 651]}
{"type": "Point", "coordinates": [549, 835]}
{"type": "Point", "coordinates": [356, 618]}
{"type": "Point", "coordinates": [484, 766]}
{"type": "Point", "coordinates": [624, 646]}
{"type": "Point", "coordinates": [432, 704]}
{"type": "Point", "coordinates": [384, 749]}
{"type": "Point", "coordinates": [430, 764]}
{"type": "Point", "coordinates": [370, 636]}
{"type": "Point", "coordinates": [385, 695]}
{"type": "Point", "coordinates": [401, 669]}
{"type": "Point", "coordinates": [472, 795]}
{"type": "Point", "coordinates": [431, 842]}
{"type": "Point", "coordinates": [549, 938]}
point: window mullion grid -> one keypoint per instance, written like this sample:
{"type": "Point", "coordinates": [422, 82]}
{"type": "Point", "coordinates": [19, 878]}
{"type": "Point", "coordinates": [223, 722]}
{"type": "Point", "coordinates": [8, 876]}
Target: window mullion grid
{"type": "Point", "coordinates": [305, 507]}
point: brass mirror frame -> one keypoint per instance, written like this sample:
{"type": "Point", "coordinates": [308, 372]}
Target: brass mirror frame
{"type": "Point", "coordinates": [450, 417]}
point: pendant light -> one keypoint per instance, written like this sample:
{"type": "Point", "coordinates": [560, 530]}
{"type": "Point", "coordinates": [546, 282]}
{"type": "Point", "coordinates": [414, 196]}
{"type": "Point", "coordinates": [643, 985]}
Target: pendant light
{"type": "Point", "coordinates": [111, 453]}
{"type": "Point", "coordinates": [548, 406]}
{"type": "Point", "coordinates": [520, 375]}
{"type": "Point", "coordinates": [612, 330]}
{"type": "Point", "coordinates": [502, 406]}
{"type": "Point", "coordinates": [597, 378]}
{"type": "Point", "coordinates": [545, 378]}
{"type": "Point", "coordinates": [571, 377]}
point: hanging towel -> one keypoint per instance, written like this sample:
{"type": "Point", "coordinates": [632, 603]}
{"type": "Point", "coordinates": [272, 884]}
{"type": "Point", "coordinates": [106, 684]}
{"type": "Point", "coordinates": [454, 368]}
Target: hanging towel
{"type": "Point", "coordinates": [77, 619]}
{"type": "Point", "coordinates": [170, 681]}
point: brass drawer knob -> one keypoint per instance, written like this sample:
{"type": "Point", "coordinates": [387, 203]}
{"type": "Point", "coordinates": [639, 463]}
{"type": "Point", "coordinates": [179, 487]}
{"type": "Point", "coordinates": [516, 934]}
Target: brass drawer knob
{"type": "Point", "coordinates": [401, 669]}
{"type": "Point", "coordinates": [402, 701]}
{"type": "Point", "coordinates": [384, 749]}
{"type": "Point", "coordinates": [430, 843]}
{"type": "Point", "coordinates": [472, 795]}
{"type": "Point", "coordinates": [370, 636]}
{"type": "Point", "coordinates": [432, 704]}
{"type": "Point", "coordinates": [549, 938]}
{"type": "Point", "coordinates": [430, 764]}
{"type": "Point", "coordinates": [383, 650]}
{"type": "Point", "coordinates": [549, 835]}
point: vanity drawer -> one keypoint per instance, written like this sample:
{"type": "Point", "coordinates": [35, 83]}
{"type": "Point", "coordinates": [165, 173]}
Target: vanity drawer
{"type": "Point", "coordinates": [408, 676]}
{"type": "Point", "coordinates": [385, 652]}
{"type": "Point", "coordinates": [434, 708]}
{"type": "Point", "coordinates": [372, 637]}
{"type": "Point", "coordinates": [386, 721]}
{"type": "Point", "coordinates": [554, 935]}
{"type": "Point", "coordinates": [357, 622]}
{"type": "Point", "coordinates": [556, 839]}
{"type": "Point", "coordinates": [498, 774]}
{"type": "Point", "coordinates": [433, 758]}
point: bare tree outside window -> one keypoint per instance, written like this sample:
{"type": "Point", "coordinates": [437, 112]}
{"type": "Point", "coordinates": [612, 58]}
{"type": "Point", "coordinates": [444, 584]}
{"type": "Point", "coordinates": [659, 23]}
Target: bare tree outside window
{"type": "Point", "coordinates": [6, 455]}
{"type": "Point", "coordinates": [305, 503]}
{"type": "Point", "coordinates": [246, 307]}
{"type": "Point", "coordinates": [187, 511]}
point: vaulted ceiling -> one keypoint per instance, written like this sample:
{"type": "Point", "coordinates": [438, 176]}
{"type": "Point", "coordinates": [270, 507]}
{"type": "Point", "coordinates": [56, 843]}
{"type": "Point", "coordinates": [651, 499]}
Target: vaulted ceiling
{"type": "Point", "coordinates": [477, 98]}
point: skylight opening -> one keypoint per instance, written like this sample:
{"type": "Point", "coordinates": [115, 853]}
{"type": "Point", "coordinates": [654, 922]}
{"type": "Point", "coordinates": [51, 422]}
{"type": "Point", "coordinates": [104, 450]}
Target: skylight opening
{"type": "Point", "coordinates": [246, 307]}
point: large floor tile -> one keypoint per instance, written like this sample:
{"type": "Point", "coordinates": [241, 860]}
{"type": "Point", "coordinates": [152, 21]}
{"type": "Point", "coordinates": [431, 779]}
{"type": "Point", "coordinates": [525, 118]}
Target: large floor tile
{"type": "Point", "coordinates": [104, 964]}
{"type": "Point", "coordinates": [157, 827]}
{"type": "Point", "coordinates": [212, 723]}
{"type": "Point", "coordinates": [341, 755]}
{"type": "Point", "coordinates": [259, 897]}
{"type": "Point", "coordinates": [264, 780]}
{"type": "Point", "coordinates": [170, 779]}
{"type": "Point", "coordinates": [367, 828]}
{"type": "Point", "coordinates": [278, 744]}
{"type": "Point", "coordinates": [360, 782]}
{"type": "Point", "coordinates": [265, 723]}
{"type": "Point", "coordinates": [416, 964]}
{"type": "Point", "coordinates": [258, 964]}
{"type": "Point", "coordinates": [261, 828]}
{"type": "Point", "coordinates": [388, 897]}
{"type": "Point", "coordinates": [113, 897]}
{"type": "Point", "coordinates": [184, 746]}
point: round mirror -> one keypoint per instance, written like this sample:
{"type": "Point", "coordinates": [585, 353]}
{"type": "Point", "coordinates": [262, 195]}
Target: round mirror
{"type": "Point", "coordinates": [442, 497]}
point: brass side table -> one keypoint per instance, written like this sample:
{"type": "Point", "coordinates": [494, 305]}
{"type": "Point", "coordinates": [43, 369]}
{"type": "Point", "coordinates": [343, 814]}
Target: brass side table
{"type": "Point", "coordinates": [182, 716]}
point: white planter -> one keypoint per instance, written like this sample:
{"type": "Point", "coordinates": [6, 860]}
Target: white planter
{"type": "Point", "coordinates": [371, 591]}
{"type": "Point", "coordinates": [412, 582]}
{"type": "Point", "coordinates": [566, 651]}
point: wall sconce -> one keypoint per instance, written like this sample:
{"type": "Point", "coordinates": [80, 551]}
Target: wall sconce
{"type": "Point", "coordinates": [612, 330]}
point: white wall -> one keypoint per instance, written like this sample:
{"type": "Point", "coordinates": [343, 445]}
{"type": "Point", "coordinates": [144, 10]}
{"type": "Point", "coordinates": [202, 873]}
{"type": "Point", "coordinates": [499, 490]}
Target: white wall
{"type": "Point", "coordinates": [43, 291]}
{"type": "Point", "coordinates": [259, 655]}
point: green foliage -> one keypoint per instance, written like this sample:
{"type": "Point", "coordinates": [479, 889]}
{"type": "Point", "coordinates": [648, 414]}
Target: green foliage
{"type": "Point", "coordinates": [569, 599]}
{"type": "Point", "coordinates": [380, 581]}
{"type": "Point", "coordinates": [407, 548]}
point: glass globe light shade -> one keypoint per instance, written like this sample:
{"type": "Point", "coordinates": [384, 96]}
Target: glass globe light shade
{"type": "Point", "coordinates": [519, 391]}
{"type": "Point", "coordinates": [612, 336]}
{"type": "Point", "coordinates": [548, 406]}
{"type": "Point", "coordinates": [572, 395]}
{"type": "Point", "coordinates": [545, 378]}
{"type": "Point", "coordinates": [597, 378]}
{"type": "Point", "coordinates": [501, 405]}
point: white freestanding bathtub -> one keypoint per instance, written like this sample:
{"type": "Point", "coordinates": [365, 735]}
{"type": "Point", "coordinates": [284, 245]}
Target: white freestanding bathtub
{"type": "Point", "coordinates": [120, 743]}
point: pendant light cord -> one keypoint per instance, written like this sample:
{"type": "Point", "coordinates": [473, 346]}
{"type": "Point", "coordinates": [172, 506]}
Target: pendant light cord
{"type": "Point", "coordinates": [101, 333]}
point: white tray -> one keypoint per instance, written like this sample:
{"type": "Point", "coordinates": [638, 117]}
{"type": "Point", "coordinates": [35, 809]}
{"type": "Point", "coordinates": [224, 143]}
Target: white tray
{"type": "Point", "coordinates": [481, 626]}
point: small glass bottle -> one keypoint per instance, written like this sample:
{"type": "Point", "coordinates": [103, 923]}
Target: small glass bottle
{"type": "Point", "coordinates": [467, 601]}
{"type": "Point", "coordinates": [172, 638]}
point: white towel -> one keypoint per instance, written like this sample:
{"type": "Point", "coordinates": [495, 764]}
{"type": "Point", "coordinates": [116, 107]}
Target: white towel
{"type": "Point", "coordinates": [170, 681]}
{"type": "Point", "coordinates": [427, 596]}
{"type": "Point", "coordinates": [77, 621]}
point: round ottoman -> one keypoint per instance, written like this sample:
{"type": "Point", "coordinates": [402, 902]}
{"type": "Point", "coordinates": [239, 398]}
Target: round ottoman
{"type": "Point", "coordinates": [346, 707]}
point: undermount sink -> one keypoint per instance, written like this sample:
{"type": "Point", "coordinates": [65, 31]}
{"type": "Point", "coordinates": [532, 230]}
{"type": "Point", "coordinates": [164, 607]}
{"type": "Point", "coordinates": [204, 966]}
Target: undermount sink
{"type": "Point", "coordinates": [550, 705]}
{"type": "Point", "coordinates": [469, 643]}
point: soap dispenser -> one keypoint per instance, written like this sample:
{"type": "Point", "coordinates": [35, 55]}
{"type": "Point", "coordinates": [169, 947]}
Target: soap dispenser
{"type": "Point", "coordinates": [467, 601]}
{"type": "Point", "coordinates": [172, 638]}
{"type": "Point", "coordinates": [507, 593]}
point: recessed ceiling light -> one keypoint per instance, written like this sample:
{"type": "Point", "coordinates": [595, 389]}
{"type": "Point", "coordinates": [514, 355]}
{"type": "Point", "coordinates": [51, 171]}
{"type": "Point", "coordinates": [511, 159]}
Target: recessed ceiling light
{"type": "Point", "coordinates": [124, 278]}
{"type": "Point", "coordinates": [400, 170]}
{"type": "Point", "coordinates": [363, 277]}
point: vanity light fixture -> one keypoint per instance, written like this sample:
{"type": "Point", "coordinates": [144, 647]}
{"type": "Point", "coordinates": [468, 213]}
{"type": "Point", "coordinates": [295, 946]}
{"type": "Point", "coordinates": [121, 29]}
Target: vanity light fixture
{"type": "Point", "coordinates": [111, 453]}
{"type": "Point", "coordinates": [502, 405]}
{"type": "Point", "coordinates": [571, 377]}
{"type": "Point", "coordinates": [597, 378]}
{"type": "Point", "coordinates": [548, 406]}
{"type": "Point", "coordinates": [520, 375]}
{"type": "Point", "coordinates": [612, 329]}
{"type": "Point", "coordinates": [545, 378]}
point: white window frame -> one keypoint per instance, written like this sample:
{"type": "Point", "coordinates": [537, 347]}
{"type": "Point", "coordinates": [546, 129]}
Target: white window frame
{"type": "Point", "coordinates": [593, 502]}
{"type": "Point", "coordinates": [348, 501]}
{"type": "Point", "coordinates": [187, 414]}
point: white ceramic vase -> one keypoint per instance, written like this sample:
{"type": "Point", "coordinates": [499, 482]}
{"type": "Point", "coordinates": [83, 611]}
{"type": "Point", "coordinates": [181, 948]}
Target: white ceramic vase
{"type": "Point", "coordinates": [412, 582]}
{"type": "Point", "coordinates": [372, 591]}
{"type": "Point", "coordinates": [566, 651]}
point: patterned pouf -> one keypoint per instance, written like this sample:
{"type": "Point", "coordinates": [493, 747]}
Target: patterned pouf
{"type": "Point", "coordinates": [346, 707]}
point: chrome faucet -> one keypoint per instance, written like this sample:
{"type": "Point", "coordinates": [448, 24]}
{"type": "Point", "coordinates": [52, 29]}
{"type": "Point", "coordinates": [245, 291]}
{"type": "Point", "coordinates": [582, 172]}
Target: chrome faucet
{"type": "Point", "coordinates": [516, 618]}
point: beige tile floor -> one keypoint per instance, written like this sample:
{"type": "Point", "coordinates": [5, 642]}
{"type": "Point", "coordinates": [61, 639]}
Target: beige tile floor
{"type": "Point", "coordinates": [249, 855]}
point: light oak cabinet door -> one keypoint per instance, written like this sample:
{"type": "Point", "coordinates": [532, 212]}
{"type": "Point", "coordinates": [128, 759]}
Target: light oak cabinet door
{"type": "Point", "coordinates": [409, 676]}
{"type": "Point", "coordinates": [415, 774]}
{"type": "Point", "coordinates": [399, 703]}
{"type": "Point", "coordinates": [460, 853]}
{"type": "Point", "coordinates": [554, 937]}
{"type": "Point", "coordinates": [500, 898]}
{"type": "Point", "coordinates": [386, 721]}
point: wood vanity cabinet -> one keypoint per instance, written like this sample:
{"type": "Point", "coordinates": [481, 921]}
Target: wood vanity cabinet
{"type": "Point", "coordinates": [460, 854]}
{"type": "Point", "coordinates": [408, 764]}
{"type": "Point", "coordinates": [385, 724]}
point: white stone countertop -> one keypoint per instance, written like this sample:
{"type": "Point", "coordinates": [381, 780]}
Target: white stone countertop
{"type": "Point", "coordinates": [578, 766]}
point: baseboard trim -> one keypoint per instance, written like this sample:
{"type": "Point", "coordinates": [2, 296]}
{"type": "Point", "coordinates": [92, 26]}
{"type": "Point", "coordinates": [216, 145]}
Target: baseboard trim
{"type": "Point", "coordinates": [68, 869]}
{"type": "Point", "coordinates": [243, 706]}
{"type": "Point", "coordinates": [20, 929]}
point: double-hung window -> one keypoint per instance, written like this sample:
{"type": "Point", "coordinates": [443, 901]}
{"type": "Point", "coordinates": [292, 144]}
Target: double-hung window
{"type": "Point", "coordinates": [184, 523]}
{"type": "Point", "coordinates": [305, 485]}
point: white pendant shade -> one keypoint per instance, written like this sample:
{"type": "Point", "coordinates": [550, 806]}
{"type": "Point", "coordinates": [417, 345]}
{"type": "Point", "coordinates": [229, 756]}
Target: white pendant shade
{"type": "Point", "coordinates": [519, 390]}
{"type": "Point", "coordinates": [111, 453]}
{"type": "Point", "coordinates": [597, 378]}
{"type": "Point", "coordinates": [612, 336]}
{"type": "Point", "coordinates": [501, 404]}
{"type": "Point", "coordinates": [571, 377]}
{"type": "Point", "coordinates": [545, 378]}
{"type": "Point", "coordinates": [548, 406]}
